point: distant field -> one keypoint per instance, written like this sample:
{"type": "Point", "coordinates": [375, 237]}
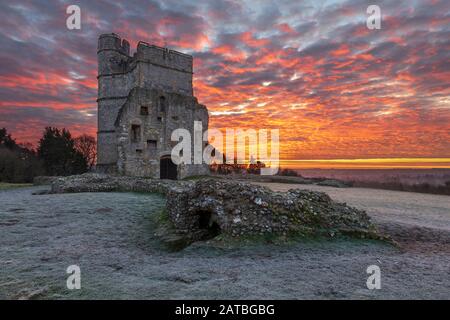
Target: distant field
{"type": "Point", "coordinates": [7, 186]}
{"type": "Point", "coordinates": [435, 181]}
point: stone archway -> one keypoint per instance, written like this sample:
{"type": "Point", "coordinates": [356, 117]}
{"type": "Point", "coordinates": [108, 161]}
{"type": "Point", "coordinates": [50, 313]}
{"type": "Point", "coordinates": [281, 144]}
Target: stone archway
{"type": "Point", "coordinates": [167, 169]}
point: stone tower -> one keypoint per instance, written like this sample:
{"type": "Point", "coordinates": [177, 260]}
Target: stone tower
{"type": "Point", "coordinates": [141, 100]}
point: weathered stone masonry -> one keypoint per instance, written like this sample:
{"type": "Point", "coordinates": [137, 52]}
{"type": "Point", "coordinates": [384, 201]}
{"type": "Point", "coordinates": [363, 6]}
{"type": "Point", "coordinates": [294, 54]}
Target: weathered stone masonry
{"type": "Point", "coordinates": [141, 100]}
{"type": "Point", "coordinates": [204, 208]}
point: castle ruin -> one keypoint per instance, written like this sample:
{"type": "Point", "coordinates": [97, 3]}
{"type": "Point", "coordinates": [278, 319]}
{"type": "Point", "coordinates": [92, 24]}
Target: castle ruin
{"type": "Point", "coordinates": [141, 100]}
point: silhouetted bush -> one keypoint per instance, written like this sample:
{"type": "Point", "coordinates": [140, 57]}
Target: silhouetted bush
{"type": "Point", "coordinates": [227, 168]}
{"type": "Point", "coordinates": [57, 150]}
{"type": "Point", "coordinates": [87, 146]}
{"type": "Point", "coordinates": [17, 163]}
{"type": "Point", "coordinates": [287, 172]}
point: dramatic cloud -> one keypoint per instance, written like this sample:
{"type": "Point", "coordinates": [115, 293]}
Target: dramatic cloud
{"type": "Point", "coordinates": [334, 88]}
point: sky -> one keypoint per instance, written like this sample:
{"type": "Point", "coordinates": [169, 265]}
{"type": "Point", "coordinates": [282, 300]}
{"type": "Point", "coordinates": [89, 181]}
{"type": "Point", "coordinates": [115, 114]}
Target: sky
{"type": "Point", "coordinates": [312, 69]}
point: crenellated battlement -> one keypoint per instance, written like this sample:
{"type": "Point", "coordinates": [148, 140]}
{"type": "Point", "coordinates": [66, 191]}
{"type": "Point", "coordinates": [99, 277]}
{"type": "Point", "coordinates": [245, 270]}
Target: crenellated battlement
{"type": "Point", "coordinates": [145, 52]}
{"type": "Point", "coordinates": [149, 67]}
{"type": "Point", "coordinates": [164, 56]}
{"type": "Point", "coordinates": [112, 41]}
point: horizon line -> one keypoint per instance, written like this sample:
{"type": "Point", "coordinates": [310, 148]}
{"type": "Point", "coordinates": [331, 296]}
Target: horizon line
{"type": "Point", "coordinates": [368, 163]}
{"type": "Point", "coordinates": [421, 159]}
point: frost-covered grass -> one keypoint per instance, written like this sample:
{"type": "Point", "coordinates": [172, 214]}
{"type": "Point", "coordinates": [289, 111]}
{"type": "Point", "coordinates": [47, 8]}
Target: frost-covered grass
{"type": "Point", "coordinates": [200, 177]}
{"type": "Point", "coordinates": [114, 239]}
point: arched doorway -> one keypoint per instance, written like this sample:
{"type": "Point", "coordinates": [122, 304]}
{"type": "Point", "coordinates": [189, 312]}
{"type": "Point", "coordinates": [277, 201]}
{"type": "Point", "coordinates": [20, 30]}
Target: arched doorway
{"type": "Point", "coordinates": [167, 169]}
{"type": "Point", "coordinates": [208, 224]}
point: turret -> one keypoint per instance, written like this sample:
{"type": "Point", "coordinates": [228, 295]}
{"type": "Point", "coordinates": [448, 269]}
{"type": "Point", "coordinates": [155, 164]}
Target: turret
{"type": "Point", "coordinates": [113, 57]}
{"type": "Point", "coordinates": [113, 53]}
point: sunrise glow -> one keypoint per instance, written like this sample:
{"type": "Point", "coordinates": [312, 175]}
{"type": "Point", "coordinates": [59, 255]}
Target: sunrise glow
{"type": "Point", "coordinates": [313, 70]}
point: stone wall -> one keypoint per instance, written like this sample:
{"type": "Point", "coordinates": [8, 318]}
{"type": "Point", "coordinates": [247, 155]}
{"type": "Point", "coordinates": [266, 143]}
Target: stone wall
{"type": "Point", "coordinates": [150, 67]}
{"type": "Point", "coordinates": [213, 206]}
{"type": "Point", "coordinates": [200, 210]}
{"type": "Point", "coordinates": [141, 158]}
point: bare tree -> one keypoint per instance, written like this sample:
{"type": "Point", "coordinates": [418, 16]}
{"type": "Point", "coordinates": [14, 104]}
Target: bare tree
{"type": "Point", "coordinates": [87, 146]}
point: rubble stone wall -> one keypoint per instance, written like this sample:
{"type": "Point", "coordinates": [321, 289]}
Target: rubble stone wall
{"type": "Point", "coordinates": [204, 208]}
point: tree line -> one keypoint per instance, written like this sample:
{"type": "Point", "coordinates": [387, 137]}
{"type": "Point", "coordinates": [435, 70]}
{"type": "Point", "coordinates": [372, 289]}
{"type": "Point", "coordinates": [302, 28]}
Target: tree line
{"type": "Point", "coordinates": [57, 154]}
